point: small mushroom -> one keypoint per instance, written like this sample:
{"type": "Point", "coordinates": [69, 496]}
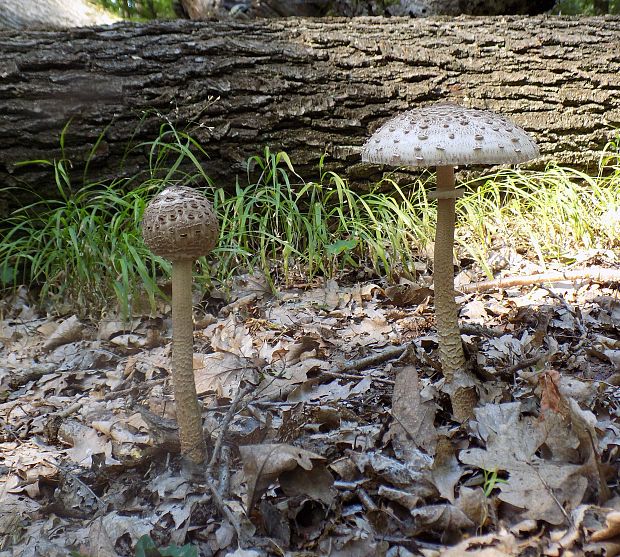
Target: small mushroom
{"type": "Point", "coordinates": [467, 138]}
{"type": "Point", "coordinates": [179, 224]}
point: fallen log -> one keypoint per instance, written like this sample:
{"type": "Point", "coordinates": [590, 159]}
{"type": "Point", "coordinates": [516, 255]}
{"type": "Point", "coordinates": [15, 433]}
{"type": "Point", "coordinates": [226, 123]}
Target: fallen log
{"type": "Point", "coordinates": [308, 86]}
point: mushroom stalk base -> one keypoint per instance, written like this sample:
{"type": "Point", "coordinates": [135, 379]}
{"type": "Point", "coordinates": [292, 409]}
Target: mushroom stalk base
{"type": "Point", "coordinates": [188, 411]}
{"type": "Point", "coordinates": [459, 383]}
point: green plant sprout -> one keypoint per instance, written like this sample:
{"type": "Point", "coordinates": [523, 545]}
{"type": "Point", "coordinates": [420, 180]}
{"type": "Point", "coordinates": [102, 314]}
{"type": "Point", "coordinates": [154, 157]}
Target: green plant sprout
{"type": "Point", "coordinates": [491, 480]}
{"type": "Point", "coordinates": [145, 547]}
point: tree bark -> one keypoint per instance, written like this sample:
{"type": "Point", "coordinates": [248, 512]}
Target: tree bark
{"type": "Point", "coordinates": [305, 86]}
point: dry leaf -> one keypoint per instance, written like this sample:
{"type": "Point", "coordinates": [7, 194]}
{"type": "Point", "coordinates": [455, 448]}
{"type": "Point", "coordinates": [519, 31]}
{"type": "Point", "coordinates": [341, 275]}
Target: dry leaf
{"type": "Point", "coordinates": [413, 424]}
{"type": "Point", "coordinates": [220, 373]}
{"type": "Point", "coordinates": [536, 485]}
{"type": "Point", "coordinates": [441, 518]}
{"type": "Point", "coordinates": [105, 532]}
{"type": "Point", "coordinates": [408, 294]}
{"type": "Point", "coordinates": [446, 469]}
{"type": "Point", "coordinates": [84, 441]}
{"type": "Point", "coordinates": [232, 337]}
{"type": "Point", "coordinates": [263, 464]}
{"type": "Point", "coordinates": [491, 545]}
{"type": "Point", "coordinates": [244, 553]}
{"type": "Point", "coordinates": [550, 398]}
{"type": "Point", "coordinates": [70, 330]}
{"type": "Point", "coordinates": [607, 540]}
{"type": "Point", "coordinates": [328, 392]}
{"type": "Point", "coordinates": [315, 483]}
{"type": "Point", "coordinates": [611, 530]}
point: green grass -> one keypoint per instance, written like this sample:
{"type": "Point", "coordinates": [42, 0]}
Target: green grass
{"type": "Point", "coordinates": [296, 230]}
{"type": "Point", "coordinates": [549, 215]}
{"type": "Point", "coordinates": [582, 7]}
{"type": "Point", "coordinates": [85, 250]}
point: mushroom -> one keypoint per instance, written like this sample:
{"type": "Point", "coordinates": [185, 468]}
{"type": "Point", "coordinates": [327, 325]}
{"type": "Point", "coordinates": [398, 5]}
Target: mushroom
{"type": "Point", "coordinates": [179, 224]}
{"type": "Point", "coordinates": [446, 135]}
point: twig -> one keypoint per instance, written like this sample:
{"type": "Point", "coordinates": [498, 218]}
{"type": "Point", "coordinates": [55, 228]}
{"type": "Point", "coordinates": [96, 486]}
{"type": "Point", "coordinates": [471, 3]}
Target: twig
{"type": "Point", "coordinates": [71, 410]}
{"type": "Point", "coordinates": [380, 357]}
{"type": "Point", "coordinates": [224, 510]}
{"type": "Point", "coordinates": [216, 488]}
{"type": "Point", "coordinates": [568, 517]}
{"type": "Point", "coordinates": [523, 364]}
{"type": "Point", "coordinates": [113, 394]}
{"type": "Point", "coordinates": [223, 479]}
{"type": "Point", "coordinates": [596, 274]}
{"type": "Point", "coordinates": [355, 377]}
{"type": "Point", "coordinates": [234, 405]}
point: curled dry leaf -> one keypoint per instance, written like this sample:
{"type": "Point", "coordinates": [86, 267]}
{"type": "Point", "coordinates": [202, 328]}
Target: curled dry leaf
{"type": "Point", "coordinates": [491, 545]}
{"type": "Point", "coordinates": [442, 518]}
{"type": "Point", "coordinates": [70, 330]}
{"type": "Point", "coordinates": [263, 464]}
{"type": "Point", "coordinates": [413, 424]}
{"type": "Point", "coordinates": [475, 504]}
{"type": "Point", "coordinates": [446, 469]}
{"type": "Point", "coordinates": [606, 541]}
{"type": "Point", "coordinates": [405, 499]}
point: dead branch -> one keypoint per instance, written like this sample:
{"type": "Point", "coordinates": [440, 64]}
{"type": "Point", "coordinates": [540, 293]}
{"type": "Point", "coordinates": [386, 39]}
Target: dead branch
{"type": "Point", "coordinates": [595, 274]}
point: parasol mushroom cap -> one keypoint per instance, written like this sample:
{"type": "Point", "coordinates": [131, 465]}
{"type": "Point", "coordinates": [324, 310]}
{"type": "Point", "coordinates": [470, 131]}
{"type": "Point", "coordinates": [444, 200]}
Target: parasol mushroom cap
{"type": "Point", "coordinates": [179, 223]}
{"type": "Point", "coordinates": [449, 135]}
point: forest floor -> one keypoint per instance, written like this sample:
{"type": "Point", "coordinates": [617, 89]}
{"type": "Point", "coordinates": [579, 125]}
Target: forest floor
{"type": "Point", "coordinates": [309, 453]}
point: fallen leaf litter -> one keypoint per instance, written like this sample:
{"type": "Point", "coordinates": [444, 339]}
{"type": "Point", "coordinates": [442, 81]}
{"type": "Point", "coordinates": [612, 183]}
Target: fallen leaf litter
{"type": "Point", "coordinates": [309, 456]}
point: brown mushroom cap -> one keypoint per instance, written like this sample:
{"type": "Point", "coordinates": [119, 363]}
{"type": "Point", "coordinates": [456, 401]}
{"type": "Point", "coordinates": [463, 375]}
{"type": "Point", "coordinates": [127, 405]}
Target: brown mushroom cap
{"type": "Point", "coordinates": [449, 135]}
{"type": "Point", "coordinates": [179, 223]}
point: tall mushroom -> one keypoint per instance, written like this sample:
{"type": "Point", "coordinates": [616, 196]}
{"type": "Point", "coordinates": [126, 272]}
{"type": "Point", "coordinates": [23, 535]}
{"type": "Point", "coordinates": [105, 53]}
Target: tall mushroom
{"type": "Point", "coordinates": [444, 136]}
{"type": "Point", "coordinates": [179, 224]}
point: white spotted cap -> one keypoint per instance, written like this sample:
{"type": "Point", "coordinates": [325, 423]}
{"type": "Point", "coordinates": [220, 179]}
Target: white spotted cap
{"type": "Point", "coordinates": [449, 135]}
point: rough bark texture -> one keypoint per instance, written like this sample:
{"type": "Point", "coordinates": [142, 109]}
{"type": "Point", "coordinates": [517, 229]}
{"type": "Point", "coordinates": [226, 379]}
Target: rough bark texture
{"type": "Point", "coordinates": [306, 86]}
{"type": "Point", "coordinates": [189, 417]}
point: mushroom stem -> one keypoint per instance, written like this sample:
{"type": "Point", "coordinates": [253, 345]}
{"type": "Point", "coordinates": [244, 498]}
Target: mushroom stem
{"type": "Point", "coordinates": [188, 411]}
{"type": "Point", "coordinates": [459, 384]}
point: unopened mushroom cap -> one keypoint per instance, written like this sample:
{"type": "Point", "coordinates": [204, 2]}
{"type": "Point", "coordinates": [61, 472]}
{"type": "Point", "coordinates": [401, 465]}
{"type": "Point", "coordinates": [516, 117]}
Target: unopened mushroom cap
{"type": "Point", "coordinates": [179, 223]}
{"type": "Point", "coordinates": [449, 135]}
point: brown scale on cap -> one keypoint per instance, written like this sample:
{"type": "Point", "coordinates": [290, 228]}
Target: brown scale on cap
{"type": "Point", "coordinates": [467, 136]}
{"type": "Point", "coordinates": [179, 223]}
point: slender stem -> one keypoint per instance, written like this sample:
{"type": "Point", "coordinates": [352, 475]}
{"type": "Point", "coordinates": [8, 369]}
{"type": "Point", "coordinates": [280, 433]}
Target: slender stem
{"type": "Point", "coordinates": [446, 310]}
{"type": "Point", "coordinates": [188, 410]}
{"type": "Point", "coordinates": [460, 384]}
